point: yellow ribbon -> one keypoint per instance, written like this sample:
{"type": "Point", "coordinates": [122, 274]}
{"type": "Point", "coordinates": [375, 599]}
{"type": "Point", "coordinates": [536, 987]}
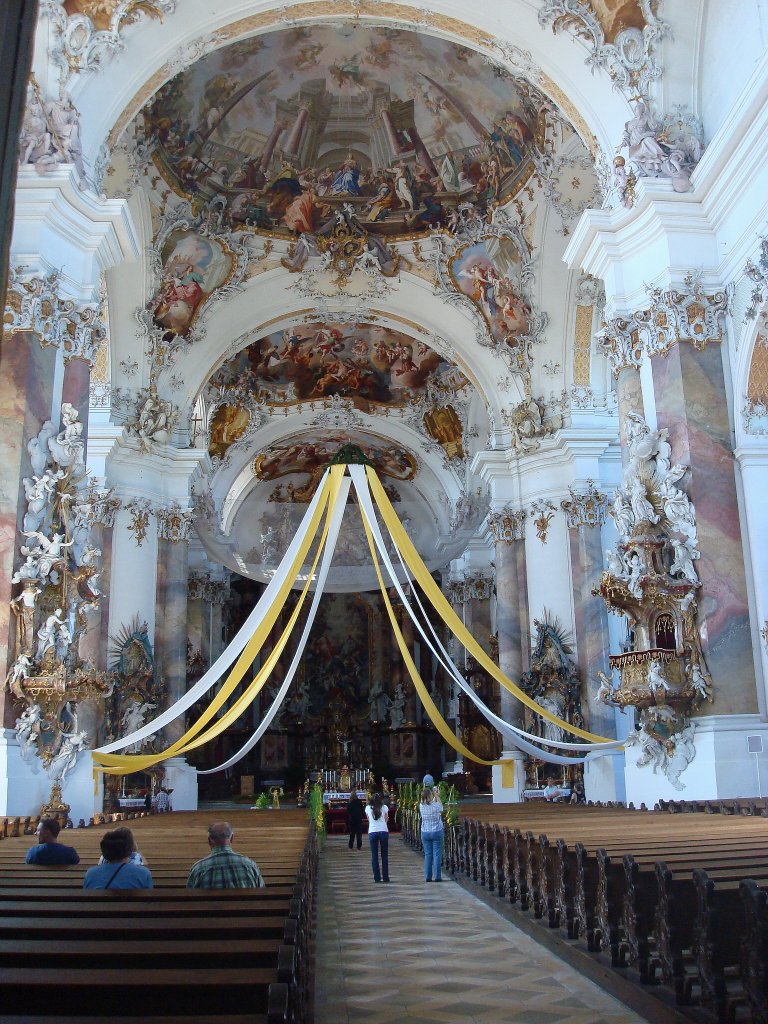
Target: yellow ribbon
{"type": "Point", "coordinates": [450, 618]}
{"type": "Point", "coordinates": [431, 708]}
{"type": "Point", "coordinates": [122, 764]}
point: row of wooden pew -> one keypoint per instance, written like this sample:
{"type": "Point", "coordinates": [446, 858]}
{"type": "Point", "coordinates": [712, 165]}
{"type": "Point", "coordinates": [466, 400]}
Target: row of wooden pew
{"type": "Point", "coordinates": [167, 954]}
{"type": "Point", "coordinates": [22, 825]}
{"type": "Point", "coordinates": [676, 900]}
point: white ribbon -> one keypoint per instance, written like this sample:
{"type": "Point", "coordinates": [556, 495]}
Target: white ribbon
{"type": "Point", "coordinates": [334, 526]}
{"type": "Point", "coordinates": [518, 737]}
{"type": "Point", "coordinates": [234, 648]}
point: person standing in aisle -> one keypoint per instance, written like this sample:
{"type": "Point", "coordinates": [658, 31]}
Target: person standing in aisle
{"type": "Point", "coordinates": [432, 833]}
{"type": "Point", "coordinates": [355, 819]}
{"type": "Point", "coordinates": [377, 813]}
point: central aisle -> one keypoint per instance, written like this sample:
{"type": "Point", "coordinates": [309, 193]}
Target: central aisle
{"type": "Point", "coordinates": [413, 953]}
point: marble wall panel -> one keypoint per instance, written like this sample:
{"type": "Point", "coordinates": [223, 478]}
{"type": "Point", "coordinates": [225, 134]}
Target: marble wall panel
{"type": "Point", "coordinates": [26, 398]}
{"type": "Point", "coordinates": [689, 389]}
{"type": "Point", "coordinates": [171, 626]}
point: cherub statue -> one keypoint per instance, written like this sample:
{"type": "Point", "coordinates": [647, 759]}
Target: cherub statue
{"type": "Point", "coordinates": [18, 672]}
{"type": "Point", "coordinates": [658, 685]}
{"type": "Point", "coordinates": [67, 447]}
{"type": "Point", "coordinates": [28, 733]}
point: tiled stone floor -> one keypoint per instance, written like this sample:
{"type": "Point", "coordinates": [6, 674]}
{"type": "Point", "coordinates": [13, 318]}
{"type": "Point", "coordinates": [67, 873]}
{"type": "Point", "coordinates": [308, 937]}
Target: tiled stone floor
{"type": "Point", "coordinates": [412, 953]}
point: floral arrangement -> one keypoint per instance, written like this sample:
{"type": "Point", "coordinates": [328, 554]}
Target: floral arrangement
{"type": "Point", "coordinates": [316, 812]}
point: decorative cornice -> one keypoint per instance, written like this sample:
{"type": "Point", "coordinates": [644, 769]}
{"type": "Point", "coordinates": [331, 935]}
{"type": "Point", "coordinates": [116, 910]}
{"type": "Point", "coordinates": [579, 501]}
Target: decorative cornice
{"type": "Point", "coordinates": [630, 61]}
{"type": "Point", "coordinates": [507, 524]}
{"type": "Point", "coordinates": [80, 44]}
{"type": "Point", "coordinates": [473, 586]}
{"type": "Point", "coordinates": [585, 509]}
{"type": "Point", "coordinates": [673, 316]}
{"type": "Point", "coordinates": [34, 304]}
{"type": "Point", "coordinates": [203, 587]}
{"type": "Point", "coordinates": [758, 275]}
{"type": "Point", "coordinates": [174, 523]}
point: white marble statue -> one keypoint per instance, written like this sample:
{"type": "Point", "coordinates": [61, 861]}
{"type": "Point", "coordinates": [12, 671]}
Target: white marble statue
{"type": "Point", "coordinates": [132, 718]}
{"type": "Point", "coordinates": [27, 572]}
{"type": "Point", "coordinates": [28, 733]}
{"type": "Point", "coordinates": [622, 514]}
{"type": "Point", "coordinates": [48, 553]}
{"type": "Point", "coordinates": [682, 755]}
{"type": "Point", "coordinates": [634, 570]}
{"type": "Point", "coordinates": [377, 702]}
{"type": "Point", "coordinates": [642, 509]}
{"type": "Point", "coordinates": [615, 564]}
{"type": "Point", "coordinates": [699, 683]}
{"type": "Point", "coordinates": [64, 760]}
{"type": "Point", "coordinates": [38, 447]}
{"type": "Point", "coordinates": [68, 447]}
{"type": "Point", "coordinates": [397, 707]}
{"type": "Point", "coordinates": [682, 564]}
{"type": "Point", "coordinates": [38, 491]}
{"type": "Point", "coordinates": [17, 673]}
{"type": "Point", "coordinates": [605, 690]}
{"type": "Point", "coordinates": [48, 633]}
{"type": "Point", "coordinates": [155, 420]}
{"type": "Point", "coordinates": [658, 685]}
{"type": "Point", "coordinates": [551, 730]}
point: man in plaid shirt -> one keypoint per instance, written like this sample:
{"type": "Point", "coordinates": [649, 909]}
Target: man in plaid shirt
{"type": "Point", "coordinates": [223, 868]}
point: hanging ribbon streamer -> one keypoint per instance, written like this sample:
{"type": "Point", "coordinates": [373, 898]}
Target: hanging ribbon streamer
{"type": "Point", "coordinates": [516, 736]}
{"type": "Point", "coordinates": [275, 591]}
{"type": "Point", "coordinates": [443, 608]}
{"type": "Point", "coordinates": [330, 547]}
{"type": "Point", "coordinates": [123, 764]}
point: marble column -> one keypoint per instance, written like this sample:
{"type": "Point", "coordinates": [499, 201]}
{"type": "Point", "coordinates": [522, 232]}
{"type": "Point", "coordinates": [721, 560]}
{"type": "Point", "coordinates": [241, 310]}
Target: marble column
{"type": "Point", "coordinates": [171, 625]}
{"type": "Point", "coordinates": [75, 390]}
{"type": "Point", "coordinates": [293, 142]}
{"type": "Point", "coordinates": [690, 396]}
{"type": "Point", "coordinates": [585, 514]}
{"type": "Point", "coordinates": [389, 128]}
{"type": "Point", "coordinates": [412, 701]}
{"type": "Point", "coordinates": [27, 394]}
{"type": "Point", "coordinates": [270, 145]}
{"type": "Point", "coordinates": [512, 625]}
{"type": "Point", "coordinates": [478, 588]}
{"type": "Point", "coordinates": [629, 398]}
{"type": "Point", "coordinates": [512, 619]}
{"type": "Point", "coordinates": [422, 153]}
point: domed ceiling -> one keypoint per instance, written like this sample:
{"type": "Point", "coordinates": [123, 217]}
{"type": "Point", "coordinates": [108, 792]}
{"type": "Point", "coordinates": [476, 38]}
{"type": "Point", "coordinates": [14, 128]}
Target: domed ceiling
{"type": "Point", "coordinates": [284, 128]}
{"type": "Point", "coordinates": [414, 431]}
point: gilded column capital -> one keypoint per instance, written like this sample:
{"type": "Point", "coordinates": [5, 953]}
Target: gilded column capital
{"type": "Point", "coordinates": [204, 587]}
{"type": "Point", "coordinates": [507, 524]}
{"type": "Point", "coordinates": [673, 315]}
{"type": "Point", "coordinates": [585, 509]}
{"type": "Point", "coordinates": [174, 523]}
{"type": "Point", "coordinates": [34, 304]}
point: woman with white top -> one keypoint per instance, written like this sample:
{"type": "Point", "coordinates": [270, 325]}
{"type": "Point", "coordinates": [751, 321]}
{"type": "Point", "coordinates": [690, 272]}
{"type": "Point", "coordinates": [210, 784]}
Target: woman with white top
{"type": "Point", "coordinates": [432, 833]}
{"type": "Point", "coordinates": [377, 813]}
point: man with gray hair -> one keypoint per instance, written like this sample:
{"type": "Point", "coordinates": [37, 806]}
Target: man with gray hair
{"type": "Point", "coordinates": [223, 868]}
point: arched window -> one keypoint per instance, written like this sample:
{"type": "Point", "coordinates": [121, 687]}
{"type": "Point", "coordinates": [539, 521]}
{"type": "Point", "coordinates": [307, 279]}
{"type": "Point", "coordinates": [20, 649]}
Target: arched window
{"type": "Point", "coordinates": [664, 630]}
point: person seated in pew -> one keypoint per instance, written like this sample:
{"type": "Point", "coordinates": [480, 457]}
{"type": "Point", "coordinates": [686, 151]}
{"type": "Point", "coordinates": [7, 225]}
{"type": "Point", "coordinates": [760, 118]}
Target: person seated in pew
{"type": "Point", "coordinates": [136, 857]}
{"type": "Point", "coordinates": [553, 793]}
{"type": "Point", "coordinates": [48, 851]}
{"type": "Point", "coordinates": [223, 868]}
{"type": "Point", "coordinates": [117, 871]}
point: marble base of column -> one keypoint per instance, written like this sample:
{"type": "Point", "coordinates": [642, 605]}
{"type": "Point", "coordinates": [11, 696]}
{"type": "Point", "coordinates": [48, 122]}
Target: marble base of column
{"type": "Point", "coordinates": [508, 780]}
{"type": "Point", "coordinates": [181, 778]}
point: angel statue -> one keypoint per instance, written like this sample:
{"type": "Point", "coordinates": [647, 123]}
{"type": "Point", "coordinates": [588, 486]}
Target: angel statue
{"type": "Point", "coordinates": [28, 733]}
{"type": "Point", "coordinates": [658, 685]}
{"type": "Point", "coordinates": [64, 760]}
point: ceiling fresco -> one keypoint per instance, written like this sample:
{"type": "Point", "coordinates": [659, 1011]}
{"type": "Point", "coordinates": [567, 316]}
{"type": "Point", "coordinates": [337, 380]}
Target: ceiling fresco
{"type": "Point", "coordinates": [367, 363]}
{"type": "Point", "coordinates": [309, 460]}
{"type": "Point", "coordinates": [284, 129]}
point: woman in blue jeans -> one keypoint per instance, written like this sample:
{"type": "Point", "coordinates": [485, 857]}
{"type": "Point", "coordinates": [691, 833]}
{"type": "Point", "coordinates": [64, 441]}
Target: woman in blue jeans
{"type": "Point", "coordinates": [432, 833]}
{"type": "Point", "coordinates": [377, 813]}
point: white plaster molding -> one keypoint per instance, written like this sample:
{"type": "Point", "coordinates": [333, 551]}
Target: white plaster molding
{"type": "Point", "coordinates": [59, 227]}
{"type": "Point", "coordinates": [656, 244]}
{"type": "Point", "coordinates": [164, 474]}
